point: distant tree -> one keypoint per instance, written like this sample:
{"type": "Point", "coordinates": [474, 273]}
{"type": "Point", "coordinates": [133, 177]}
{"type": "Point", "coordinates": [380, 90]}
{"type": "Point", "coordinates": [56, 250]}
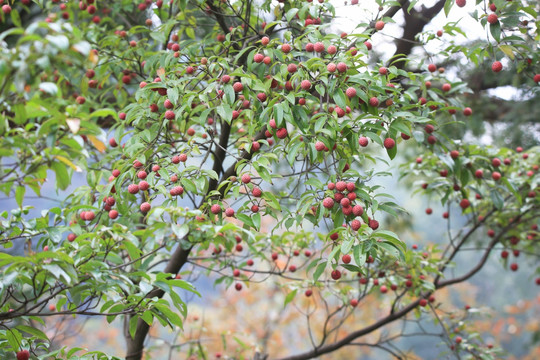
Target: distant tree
{"type": "Point", "coordinates": [244, 139]}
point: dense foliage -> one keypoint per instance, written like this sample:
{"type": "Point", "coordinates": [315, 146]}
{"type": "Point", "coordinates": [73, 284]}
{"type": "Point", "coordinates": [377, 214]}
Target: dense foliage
{"type": "Point", "coordinates": [212, 140]}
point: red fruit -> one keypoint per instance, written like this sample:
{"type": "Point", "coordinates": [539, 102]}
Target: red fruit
{"type": "Point", "coordinates": [133, 188]}
{"type": "Point", "coordinates": [143, 185]}
{"type": "Point", "coordinates": [229, 212]}
{"type": "Point", "coordinates": [169, 115]}
{"type": "Point", "coordinates": [225, 79]}
{"type": "Point", "coordinates": [358, 210]}
{"type": "Point", "coordinates": [255, 208]}
{"type": "Point", "coordinates": [356, 224]}
{"type": "Point", "coordinates": [336, 274]}
{"type": "Point", "coordinates": [368, 45]}
{"type": "Point", "coordinates": [238, 286]}
{"type": "Point", "coordinates": [142, 174]}
{"type": "Point", "coordinates": [374, 101]}
{"type": "Point", "coordinates": [431, 139]}
{"type": "Point", "coordinates": [432, 67]}
{"type": "Point", "coordinates": [215, 209]}
{"type": "Point", "coordinates": [292, 268]}
{"type": "Point", "coordinates": [379, 25]}
{"type": "Point", "coordinates": [342, 67]}
{"type": "Point", "coordinates": [305, 84]}
{"type": "Point", "coordinates": [23, 354]}
{"type": "Point", "coordinates": [429, 211]}
{"type": "Point", "coordinates": [319, 146]}
{"type": "Point", "coordinates": [71, 237]}
{"type": "Point", "coordinates": [350, 92]}
{"type": "Point", "coordinates": [257, 192]}
{"type": "Point", "coordinates": [332, 50]}
{"type": "Point", "coordinates": [461, 3]}
{"type": "Point", "coordinates": [467, 111]}
{"type": "Point", "coordinates": [237, 87]}
{"type": "Point", "coordinates": [493, 19]}
{"type": "Point", "coordinates": [383, 70]}
{"type": "Point", "coordinates": [373, 224]}
{"type": "Point", "coordinates": [182, 157]}
{"type": "Point", "coordinates": [292, 68]}
{"type": "Point", "coordinates": [423, 302]}
{"type": "Point", "coordinates": [363, 141]}
{"type": "Point", "coordinates": [258, 58]}
{"type": "Point", "coordinates": [465, 203]}
{"type": "Point", "coordinates": [274, 256]}
{"type": "Point", "coordinates": [246, 179]}
{"type": "Point", "coordinates": [89, 216]}
{"type": "Point", "coordinates": [261, 96]}
{"type": "Point", "coordinates": [319, 47]}
{"type": "Point", "coordinates": [307, 253]}
{"type": "Point", "coordinates": [328, 203]}
{"type": "Point", "coordinates": [308, 293]}
{"type": "Point", "coordinates": [265, 40]}
{"type": "Point", "coordinates": [286, 48]}
{"type": "Point", "coordinates": [479, 173]}
{"type": "Point", "coordinates": [536, 78]}
{"type": "Point", "coordinates": [446, 87]}
{"type": "Point", "coordinates": [282, 133]}
{"type": "Point", "coordinates": [496, 66]}
{"type": "Point", "coordinates": [496, 175]}
{"type": "Point", "coordinates": [346, 258]}
{"type": "Point", "coordinates": [168, 104]}
{"type": "Point", "coordinates": [331, 67]}
{"type": "Point", "coordinates": [249, 262]}
{"type": "Point", "coordinates": [514, 267]}
{"type": "Point", "coordinates": [145, 207]}
{"type": "Point", "coordinates": [113, 214]}
{"type": "Point", "coordinates": [389, 143]}
{"type": "Point", "coordinates": [353, 302]}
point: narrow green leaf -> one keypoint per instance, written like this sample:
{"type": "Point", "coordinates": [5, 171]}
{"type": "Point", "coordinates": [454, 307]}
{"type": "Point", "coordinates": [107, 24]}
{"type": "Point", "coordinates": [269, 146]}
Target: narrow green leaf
{"type": "Point", "coordinates": [290, 296]}
{"type": "Point", "coordinates": [19, 195]}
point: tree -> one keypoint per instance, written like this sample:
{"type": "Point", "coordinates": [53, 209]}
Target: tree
{"type": "Point", "coordinates": [207, 137]}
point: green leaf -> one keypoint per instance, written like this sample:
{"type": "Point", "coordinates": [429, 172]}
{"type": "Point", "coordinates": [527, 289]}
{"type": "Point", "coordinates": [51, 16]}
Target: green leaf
{"type": "Point", "coordinates": [290, 296]}
{"type": "Point", "coordinates": [19, 195]}
{"type": "Point", "coordinates": [14, 339]}
{"type": "Point", "coordinates": [497, 199]}
{"type": "Point", "coordinates": [392, 152]}
{"type": "Point", "coordinates": [62, 176]}
{"type": "Point", "coordinates": [339, 98]}
{"type": "Point", "coordinates": [319, 271]}
{"type": "Point", "coordinates": [291, 13]}
{"type": "Point", "coordinates": [225, 112]}
{"type": "Point", "coordinates": [359, 255]}
{"type": "Point", "coordinates": [447, 7]}
{"type": "Point", "coordinates": [15, 17]}
{"type": "Point", "coordinates": [495, 30]}
{"type": "Point", "coordinates": [180, 230]}
{"type": "Point", "coordinates": [33, 331]}
{"type": "Point", "coordinates": [133, 326]}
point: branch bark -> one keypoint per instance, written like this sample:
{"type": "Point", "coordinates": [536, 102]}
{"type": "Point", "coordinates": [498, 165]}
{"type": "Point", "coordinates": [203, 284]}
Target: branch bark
{"type": "Point", "coordinates": [414, 24]}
